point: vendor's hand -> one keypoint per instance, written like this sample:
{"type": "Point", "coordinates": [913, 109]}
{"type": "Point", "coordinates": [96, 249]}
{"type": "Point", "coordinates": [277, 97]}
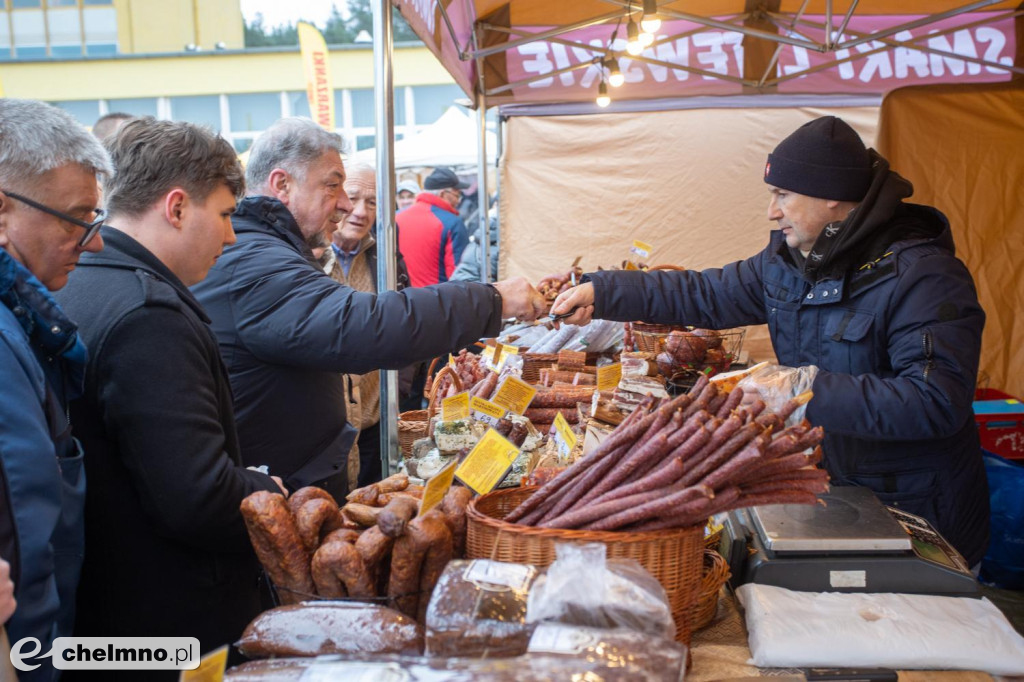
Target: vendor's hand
{"type": "Point", "coordinates": [579, 297]}
{"type": "Point", "coordinates": [776, 385]}
{"type": "Point", "coordinates": [519, 299]}
{"type": "Point", "coordinates": [7, 600]}
{"type": "Point", "coordinates": [280, 484]}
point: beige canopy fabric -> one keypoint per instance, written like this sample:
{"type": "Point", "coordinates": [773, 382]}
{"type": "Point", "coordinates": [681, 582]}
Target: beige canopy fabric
{"type": "Point", "coordinates": [689, 183]}
{"type": "Point", "coordinates": [963, 148]}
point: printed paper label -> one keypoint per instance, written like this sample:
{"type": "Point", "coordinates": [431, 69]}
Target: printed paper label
{"type": "Point", "coordinates": [485, 411]}
{"type": "Point", "coordinates": [560, 639]}
{"type": "Point", "coordinates": [436, 488]}
{"type": "Point", "coordinates": [515, 394]}
{"type": "Point", "coordinates": [608, 377]}
{"type": "Point", "coordinates": [641, 249]}
{"type": "Point", "coordinates": [565, 439]}
{"type": "Point", "coordinates": [488, 463]}
{"type": "Point", "coordinates": [455, 407]}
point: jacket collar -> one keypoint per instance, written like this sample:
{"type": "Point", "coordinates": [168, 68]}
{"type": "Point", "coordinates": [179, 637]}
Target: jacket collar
{"type": "Point", "coordinates": [38, 314]}
{"type": "Point", "coordinates": [267, 215]}
{"type": "Point", "coordinates": [434, 200]}
{"type": "Point", "coordinates": [124, 252]}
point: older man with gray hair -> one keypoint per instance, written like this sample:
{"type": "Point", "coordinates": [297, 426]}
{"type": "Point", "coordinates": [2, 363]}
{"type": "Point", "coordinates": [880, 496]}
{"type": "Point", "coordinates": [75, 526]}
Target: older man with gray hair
{"type": "Point", "coordinates": [287, 331]}
{"type": "Point", "coordinates": [48, 218]}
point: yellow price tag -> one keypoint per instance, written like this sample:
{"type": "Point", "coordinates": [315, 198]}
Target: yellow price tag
{"type": "Point", "coordinates": [608, 376]}
{"type": "Point", "coordinates": [436, 488]}
{"type": "Point", "coordinates": [565, 439]}
{"type": "Point", "coordinates": [455, 407]}
{"type": "Point", "coordinates": [211, 667]}
{"type": "Point", "coordinates": [506, 353]}
{"type": "Point", "coordinates": [641, 249]}
{"type": "Point", "coordinates": [488, 463]}
{"type": "Point", "coordinates": [485, 411]}
{"type": "Point", "coordinates": [630, 265]}
{"type": "Point", "coordinates": [451, 361]}
{"type": "Point", "coordinates": [515, 394]}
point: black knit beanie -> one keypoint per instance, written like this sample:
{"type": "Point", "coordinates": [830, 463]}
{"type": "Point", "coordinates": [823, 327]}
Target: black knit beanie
{"type": "Point", "coordinates": [824, 158]}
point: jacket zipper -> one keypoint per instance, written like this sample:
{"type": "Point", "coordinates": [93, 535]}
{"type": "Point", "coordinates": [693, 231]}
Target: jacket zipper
{"type": "Point", "coordinates": [929, 360]}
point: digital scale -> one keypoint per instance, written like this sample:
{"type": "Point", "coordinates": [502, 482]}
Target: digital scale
{"type": "Point", "coordinates": [853, 544]}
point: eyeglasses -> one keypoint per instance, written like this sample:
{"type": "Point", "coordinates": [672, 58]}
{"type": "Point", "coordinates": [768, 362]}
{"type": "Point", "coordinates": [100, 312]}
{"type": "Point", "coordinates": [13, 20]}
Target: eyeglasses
{"type": "Point", "coordinates": [91, 229]}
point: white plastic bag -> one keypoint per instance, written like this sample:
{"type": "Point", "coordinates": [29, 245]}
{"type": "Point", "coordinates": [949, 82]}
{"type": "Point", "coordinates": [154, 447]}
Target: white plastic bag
{"type": "Point", "coordinates": [777, 384]}
{"type": "Point", "coordinates": [901, 631]}
{"type": "Point", "coordinates": [582, 587]}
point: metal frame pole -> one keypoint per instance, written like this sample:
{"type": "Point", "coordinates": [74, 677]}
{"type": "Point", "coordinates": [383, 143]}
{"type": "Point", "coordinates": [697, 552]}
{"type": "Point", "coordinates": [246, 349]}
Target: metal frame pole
{"type": "Point", "coordinates": [387, 269]}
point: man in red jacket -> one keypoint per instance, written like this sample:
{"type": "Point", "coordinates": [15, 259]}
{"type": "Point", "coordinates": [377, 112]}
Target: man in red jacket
{"type": "Point", "coordinates": [431, 236]}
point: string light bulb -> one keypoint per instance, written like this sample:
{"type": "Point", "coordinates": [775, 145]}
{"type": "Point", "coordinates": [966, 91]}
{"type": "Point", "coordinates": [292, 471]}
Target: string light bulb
{"type": "Point", "coordinates": [633, 44]}
{"type": "Point", "coordinates": [615, 76]}
{"type": "Point", "coordinates": [646, 39]}
{"type": "Point", "coordinates": [650, 22]}
{"type": "Point", "coordinates": [603, 99]}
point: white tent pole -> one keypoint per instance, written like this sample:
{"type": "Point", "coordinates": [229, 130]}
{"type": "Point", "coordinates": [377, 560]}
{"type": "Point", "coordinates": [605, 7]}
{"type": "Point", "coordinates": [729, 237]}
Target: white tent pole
{"type": "Point", "coordinates": [387, 269]}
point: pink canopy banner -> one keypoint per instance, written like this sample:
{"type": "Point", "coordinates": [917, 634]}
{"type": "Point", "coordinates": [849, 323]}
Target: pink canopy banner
{"type": "Point", "coordinates": [873, 66]}
{"type": "Point", "coordinates": [424, 16]}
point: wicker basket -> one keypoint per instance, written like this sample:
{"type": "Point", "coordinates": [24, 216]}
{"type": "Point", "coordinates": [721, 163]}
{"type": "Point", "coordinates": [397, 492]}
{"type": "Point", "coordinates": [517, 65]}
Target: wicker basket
{"type": "Point", "coordinates": [673, 557]}
{"type": "Point", "coordinates": [716, 572]}
{"type": "Point", "coordinates": [415, 424]}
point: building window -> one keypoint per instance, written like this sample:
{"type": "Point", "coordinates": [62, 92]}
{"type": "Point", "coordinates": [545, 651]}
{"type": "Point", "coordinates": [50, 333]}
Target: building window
{"type": "Point", "coordinates": [298, 102]}
{"type": "Point", "coordinates": [98, 2]}
{"type": "Point", "coordinates": [85, 111]}
{"type": "Point", "coordinates": [136, 106]}
{"type": "Point", "coordinates": [254, 111]}
{"type": "Point", "coordinates": [433, 100]}
{"type": "Point", "coordinates": [201, 109]}
{"type": "Point", "coordinates": [21, 4]}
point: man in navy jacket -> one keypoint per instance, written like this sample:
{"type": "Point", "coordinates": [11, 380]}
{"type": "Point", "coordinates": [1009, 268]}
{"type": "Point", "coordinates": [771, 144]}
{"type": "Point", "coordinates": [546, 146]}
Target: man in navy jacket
{"type": "Point", "coordinates": [48, 218]}
{"type": "Point", "coordinates": [865, 288]}
{"type": "Point", "coordinates": [287, 331]}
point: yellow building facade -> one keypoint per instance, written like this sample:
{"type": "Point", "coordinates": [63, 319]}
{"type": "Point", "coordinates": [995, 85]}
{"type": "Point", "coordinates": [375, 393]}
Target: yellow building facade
{"type": "Point", "coordinates": [185, 60]}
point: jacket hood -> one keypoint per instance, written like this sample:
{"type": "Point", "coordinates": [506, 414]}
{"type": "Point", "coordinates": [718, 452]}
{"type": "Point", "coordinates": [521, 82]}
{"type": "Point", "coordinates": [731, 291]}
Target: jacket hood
{"type": "Point", "coordinates": [876, 223]}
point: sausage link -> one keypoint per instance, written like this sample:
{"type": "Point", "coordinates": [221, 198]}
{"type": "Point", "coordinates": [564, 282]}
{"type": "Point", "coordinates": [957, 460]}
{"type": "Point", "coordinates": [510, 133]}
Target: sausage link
{"type": "Point", "coordinates": [316, 518]}
{"type": "Point", "coordinates": [338, 571]}
{"type": "Point", "coordinates": [278, 546]}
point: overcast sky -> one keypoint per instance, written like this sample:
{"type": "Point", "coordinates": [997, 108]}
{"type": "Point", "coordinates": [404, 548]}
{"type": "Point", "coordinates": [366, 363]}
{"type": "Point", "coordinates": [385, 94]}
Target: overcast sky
{"type": "Point", "coordinates": [277, 12]}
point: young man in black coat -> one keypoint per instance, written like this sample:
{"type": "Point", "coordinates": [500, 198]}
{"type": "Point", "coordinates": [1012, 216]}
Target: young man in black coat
{"type": "Point", "coordinates": [167, 553]}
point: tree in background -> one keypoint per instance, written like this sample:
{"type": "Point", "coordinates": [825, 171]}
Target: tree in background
{"type": "Point", "coordinates": [337, 30]}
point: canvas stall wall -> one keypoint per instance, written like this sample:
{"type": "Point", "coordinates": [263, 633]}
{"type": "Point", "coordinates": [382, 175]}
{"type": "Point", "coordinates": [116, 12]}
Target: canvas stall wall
{"type": "Point", "coordinates": [963, 148]}
{"type": "Point", "coordinates": [688, 182]}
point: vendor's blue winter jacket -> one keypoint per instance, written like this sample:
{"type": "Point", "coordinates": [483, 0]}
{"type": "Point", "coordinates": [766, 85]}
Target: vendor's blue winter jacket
{"type": "Point", "coordinates": [891, 318]}
{"type": "Point", "coordinates": [287, 331]}
{"type": "Point", "coordinates": [42, 484]}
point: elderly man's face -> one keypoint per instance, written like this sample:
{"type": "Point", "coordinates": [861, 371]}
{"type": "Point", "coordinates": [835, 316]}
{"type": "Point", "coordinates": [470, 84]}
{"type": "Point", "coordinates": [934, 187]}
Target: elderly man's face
{"type": "Point", "coordinates": [318, 201]}
{"type": "Point", "coordinates": [361, 188]}
{"type": "Point", "coordinates": [47, 245]}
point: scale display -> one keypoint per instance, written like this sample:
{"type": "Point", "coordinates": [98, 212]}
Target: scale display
{"type": "Point", "coordinates": [853, 543]}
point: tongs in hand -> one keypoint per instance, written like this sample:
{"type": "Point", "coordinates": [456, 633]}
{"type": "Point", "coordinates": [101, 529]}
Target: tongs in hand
{"type": "Point", "coordinates": [554, 318]}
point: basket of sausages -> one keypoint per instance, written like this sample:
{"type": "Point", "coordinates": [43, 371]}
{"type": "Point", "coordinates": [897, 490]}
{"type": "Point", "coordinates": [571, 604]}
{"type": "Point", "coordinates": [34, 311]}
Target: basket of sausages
{"type": "Point", "coordinates": [648, 489]}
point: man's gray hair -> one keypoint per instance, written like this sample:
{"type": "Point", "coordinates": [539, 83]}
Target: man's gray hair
{"type": "Point", "coordinates": [291, 144]}
{"type": "Point", "coordinates": [36, 137]}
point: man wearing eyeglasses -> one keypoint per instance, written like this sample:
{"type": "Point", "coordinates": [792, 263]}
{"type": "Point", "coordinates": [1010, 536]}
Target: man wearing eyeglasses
{"type": "Point", "coordinates": [48, 218]}
{"type": "Point", "coordinates": [431, 235]}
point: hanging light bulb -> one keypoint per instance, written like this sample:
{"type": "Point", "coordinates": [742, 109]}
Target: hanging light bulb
{"type": "Point", "coordinates": [615, 76]}
{"type": "Point", "coordinates": [650, 22]}
{"type": "Point", "coordinates": [603, 99]}
{"type": "Point", "coordinates": [633, 44]}
{"type": "Point", "coordinates": [646, 39]}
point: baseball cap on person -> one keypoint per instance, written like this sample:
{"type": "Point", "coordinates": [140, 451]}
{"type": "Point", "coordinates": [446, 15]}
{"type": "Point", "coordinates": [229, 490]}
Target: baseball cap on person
{"type": "Point", "coordinates": [824, 158]}
{"type": "Point", "coordinates": [407, 186]}
{"type": "Point", "coordinates": [444, 178]}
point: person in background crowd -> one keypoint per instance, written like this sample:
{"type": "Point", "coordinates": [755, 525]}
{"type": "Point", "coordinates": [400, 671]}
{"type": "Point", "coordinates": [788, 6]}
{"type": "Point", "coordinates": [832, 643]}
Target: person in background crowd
{"type": "Point", "coordinates": [353, 261]}
{"type": "Point", "coordinates": [48, 217]}
{"type": "Point", "coordinates": [405, 194]}
{"type": "Point", "coordinates": [108, 124]}
{"type": "Point", "coordinates": [864, 297]}
{"type": "Point", "coordinates": [469, 266]}
{"type": "Point", "coordinates": [167, 553]}
{"type": "Point", "coordinates": [431, 236]}
{"type": "Point", "coordinates": [288, 332]}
